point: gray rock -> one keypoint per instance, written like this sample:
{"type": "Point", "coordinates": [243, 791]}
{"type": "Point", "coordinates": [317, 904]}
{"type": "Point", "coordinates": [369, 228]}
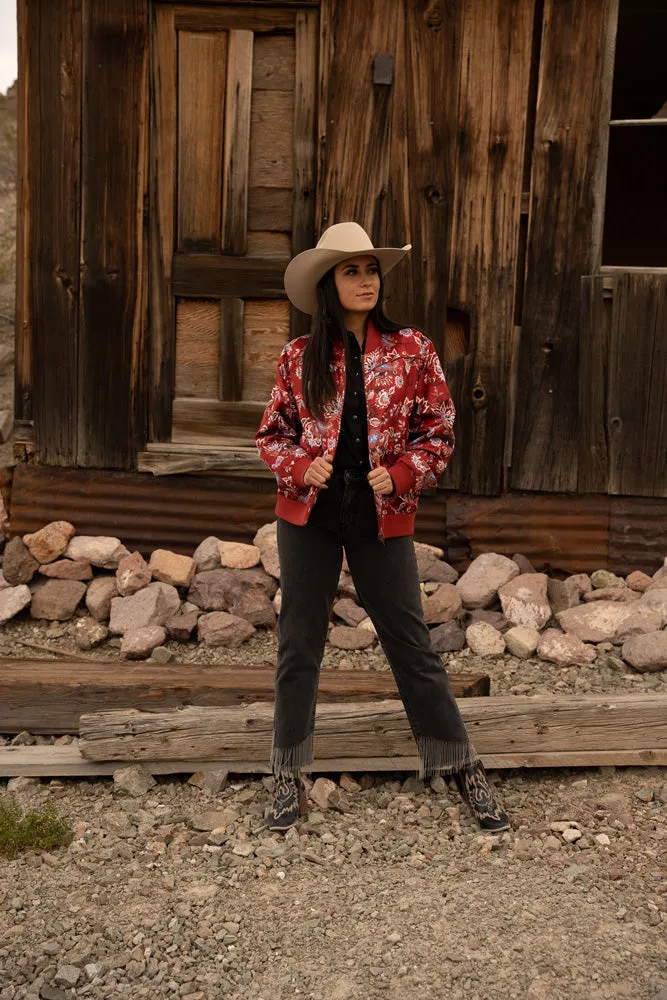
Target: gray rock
{"type": "Point", "coordinates": [430, 568]}
{"type": "Point", "coordinates": [181, 626]}
{"type": "Point", "coordinates": [153, 605]}
{"type": "Point", "coordinates": [524, 564]}
{"type": "Point", "coordinates": [655, 600]}
{"type": "Point", "coordinates": [134, 780]}
{"type": "Point", "coordinates": [563, 594]}
{"type": "Point", "coordinates": [479, 584]}
{"type": "Point", "coordinates": [207, 554]}
{"type": "Point", "coordinates": [271, 561]}
{"type": "Point", "coordinates": [647, 653]}
{"type": "Point", "coordinates": [13, 600]}
{"type": "Point", "coordinates": [448, 637]}
{"type": "Point", "coordinates": [100, 550]}
{"type": "Point", "coordinates": [217, 589]}
{"type": "Point", "coordinates": [57, 600]}
{"type": "Point", "coordinates": [139, 643]}
{"type": "Point", "coordinates": [162, 655]}
{"type": "Point", "coordinates": [18, 565]}
{"type": "Point", "coordinates": [67, 975]}
{"type": "Point", "coordinates": [99, 595]}
{"type": "Point", "coordinates": [495, 618]}
{"type": "Point", "coordinates": [255, 606]}
{"type": "Point", "coordinates": [221, 629]}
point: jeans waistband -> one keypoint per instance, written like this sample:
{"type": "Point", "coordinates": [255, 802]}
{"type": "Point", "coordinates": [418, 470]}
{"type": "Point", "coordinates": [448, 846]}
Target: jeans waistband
{"type": "Point", "coordinates": [351, 475]}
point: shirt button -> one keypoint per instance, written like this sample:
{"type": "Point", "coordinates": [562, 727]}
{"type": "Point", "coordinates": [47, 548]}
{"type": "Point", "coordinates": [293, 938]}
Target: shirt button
{"type": "Point", "coordinates": [354, 416]}
{"type": "Point", "coordinates": [357, 440]}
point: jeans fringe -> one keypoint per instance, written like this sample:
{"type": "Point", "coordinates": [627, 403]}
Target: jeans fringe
{"type": "Point", "coordinates": [292, 759]}
{"type": "Point", "coordinates": [438, 756]}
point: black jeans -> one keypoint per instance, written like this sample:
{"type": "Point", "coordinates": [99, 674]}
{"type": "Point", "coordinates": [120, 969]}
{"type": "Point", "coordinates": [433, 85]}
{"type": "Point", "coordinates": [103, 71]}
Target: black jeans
{"type": "Point", "coordinates": [387, 582]}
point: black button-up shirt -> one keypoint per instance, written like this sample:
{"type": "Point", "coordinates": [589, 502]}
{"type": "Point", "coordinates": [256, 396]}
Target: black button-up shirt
{"type": "Point", "coordinates": [352, 449]}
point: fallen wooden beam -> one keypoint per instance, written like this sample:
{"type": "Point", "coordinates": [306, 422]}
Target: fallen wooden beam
{"type": "Point", "coordinates": [66, 761]}
{"type": "Point", "coordinates": [498, 725]}
{"type": "Point", "coordinates": [40, 696]}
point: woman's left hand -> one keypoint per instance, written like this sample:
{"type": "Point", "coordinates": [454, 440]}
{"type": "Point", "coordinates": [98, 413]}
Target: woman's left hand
{"type": "Point", "coordinates": [381, 480]}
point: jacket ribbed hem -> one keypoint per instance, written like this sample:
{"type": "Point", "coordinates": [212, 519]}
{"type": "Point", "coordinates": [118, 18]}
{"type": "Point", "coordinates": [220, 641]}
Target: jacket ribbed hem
{"type": "Point", "coordinates": [394, 524]}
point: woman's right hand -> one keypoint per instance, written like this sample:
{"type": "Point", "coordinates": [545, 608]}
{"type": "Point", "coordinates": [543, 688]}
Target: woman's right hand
{"type": "Point", "coordinates": [318, 472]}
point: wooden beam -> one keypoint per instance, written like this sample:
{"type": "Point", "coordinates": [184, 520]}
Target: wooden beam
{"type": "Point", "coordinates": [504, 724]}
{"type": "Point", "coordinates": [237, 142]}
{"type": "Point", "coordinates": [212, 275]}
{"type": "Point", "coordinates": [39, 698]}
{"type": "Point", "coordinates": [23, 374]}
{"type": "Point", "coordinates": [593, 457]}
{"type": "Point", "coordinates": [237, 17]}
{"type": "Point", "coordinates": [231, 349]}
{"type": "Point", "coordinates": [64, 761]}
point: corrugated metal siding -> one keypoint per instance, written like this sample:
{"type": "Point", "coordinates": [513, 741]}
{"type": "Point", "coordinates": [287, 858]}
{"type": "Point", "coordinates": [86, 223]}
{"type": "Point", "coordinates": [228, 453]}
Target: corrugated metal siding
{"type": "Point", "coordinates": [637, 534]}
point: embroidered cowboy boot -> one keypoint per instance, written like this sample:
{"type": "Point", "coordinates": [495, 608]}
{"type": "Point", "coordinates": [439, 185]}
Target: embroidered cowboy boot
{"type": "Point", "coordinates": [475, 790]}
{"type": "Point", "coordinates": [290, 802]}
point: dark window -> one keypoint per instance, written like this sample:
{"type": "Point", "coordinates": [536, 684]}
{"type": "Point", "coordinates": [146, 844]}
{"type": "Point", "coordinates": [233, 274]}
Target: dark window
{"type": "Point", "coordinates": [635, 219]}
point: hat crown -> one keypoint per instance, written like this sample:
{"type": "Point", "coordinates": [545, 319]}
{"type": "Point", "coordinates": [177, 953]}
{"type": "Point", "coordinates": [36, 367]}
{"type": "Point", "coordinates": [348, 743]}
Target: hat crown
{"type": "Point", "coordinates": [346, 237]}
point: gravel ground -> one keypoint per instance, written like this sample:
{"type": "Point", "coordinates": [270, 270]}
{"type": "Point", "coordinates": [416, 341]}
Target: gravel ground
{"type": "Point", "coordinates": [400, 893]}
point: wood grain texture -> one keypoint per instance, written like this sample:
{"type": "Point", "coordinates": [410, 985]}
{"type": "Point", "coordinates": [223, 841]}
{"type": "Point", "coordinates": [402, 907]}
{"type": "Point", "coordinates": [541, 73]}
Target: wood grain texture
{"type": "Point", "coordinates": [206, 274]}
{"type": "Point", "coordinates": [495, 68]}
{"type": "Point", "coordinates": [231, 349]}
{"type": "Point", "coordinates": [37, 698]}
{"type": "Point", "coordinates": [203, 418]}
{"type": "Point", "coordinates": [224, 17]}
{"type": "Point", "coordinates": [593, 457]}
{"type": "Point", "coordinates": [305, 163]}
{"type": "Point", "coordinates": [272, 139]}
{"type": "Point", "coordinates": [164, 68]}
{"type": "Point", "coordinates": [112, 375]}
{"type": "Point", "coordinates": [197, 348]}
{"type": "Point", "coordinates": [568, 162]}
{"type": "Point", "coordinates": [514, 723]}
{"type": "Point", "coordinates": [273, 62]}
{"type": "Point", "coordinates": [268, 244]}
{"type": "Point", "coordinates": [237, 142]}
{"type": "Point", "coordinates": [270, 209]}
{"type": "Point", "coordinates": [266, 330]}
{"type": "Point", "coordinates": [638, 386]}
{"type": "Point", "coordinates": [202, 62]}
{"type": "Point", "coordinates": [54, 70]}
{"type": "Point", "coordinates": [23, 321]}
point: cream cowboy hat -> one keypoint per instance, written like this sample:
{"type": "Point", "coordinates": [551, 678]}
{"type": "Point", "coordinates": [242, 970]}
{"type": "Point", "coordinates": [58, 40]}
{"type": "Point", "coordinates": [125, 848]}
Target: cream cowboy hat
{"type": "Point", "coordinates": [346, 239]}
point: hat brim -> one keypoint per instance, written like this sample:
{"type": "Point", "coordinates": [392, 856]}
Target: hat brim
{"type": "Point", "coordinates": [305, 270]}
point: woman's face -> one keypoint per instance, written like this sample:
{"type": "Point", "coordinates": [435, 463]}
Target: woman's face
{"type": "Point", "coordinates": [358, 283]}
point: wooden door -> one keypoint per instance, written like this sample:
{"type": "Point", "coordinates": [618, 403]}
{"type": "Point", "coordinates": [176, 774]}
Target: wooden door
{"type": "Point", "coordinates": [232, 199]}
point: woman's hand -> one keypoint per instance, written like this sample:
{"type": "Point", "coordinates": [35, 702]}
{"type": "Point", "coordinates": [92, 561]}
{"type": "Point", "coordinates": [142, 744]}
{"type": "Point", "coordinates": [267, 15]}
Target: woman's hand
{"type": "Point", "coordinates": [318, 472]}
{"type": "Point", "coordinates": [381, 481]}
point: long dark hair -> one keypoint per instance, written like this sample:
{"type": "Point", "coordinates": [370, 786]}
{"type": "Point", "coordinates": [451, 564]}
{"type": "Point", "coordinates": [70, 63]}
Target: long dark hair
{"type": "Point", "coordinates": [328, 325]}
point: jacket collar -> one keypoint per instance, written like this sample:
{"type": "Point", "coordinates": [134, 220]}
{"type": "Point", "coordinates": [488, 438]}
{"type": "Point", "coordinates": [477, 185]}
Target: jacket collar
{"type": "Point", "coordinates": [373, 340]}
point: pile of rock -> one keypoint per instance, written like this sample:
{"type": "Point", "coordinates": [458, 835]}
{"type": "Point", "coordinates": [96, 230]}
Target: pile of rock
{"type": "Point", "coordinates": [226, 591]}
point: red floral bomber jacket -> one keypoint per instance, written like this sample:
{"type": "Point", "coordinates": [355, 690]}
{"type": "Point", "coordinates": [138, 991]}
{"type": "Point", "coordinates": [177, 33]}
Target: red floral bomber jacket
{"type": "Point", "coordinates": [410, 425]}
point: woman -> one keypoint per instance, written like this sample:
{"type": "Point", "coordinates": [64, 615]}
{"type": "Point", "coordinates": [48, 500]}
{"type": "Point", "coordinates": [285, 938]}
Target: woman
{"type": "Point", "coordinates": [359, 421]}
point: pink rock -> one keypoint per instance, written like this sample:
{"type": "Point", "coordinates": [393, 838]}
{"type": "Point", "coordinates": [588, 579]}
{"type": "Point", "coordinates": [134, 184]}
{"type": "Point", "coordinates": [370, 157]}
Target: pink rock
{"type": "Point", "coordinates": [623, 594]}
{"type": "Point", "coordinates": [565, 650]}
{"type": "Point", "coordinates": [431, 568]}
{"type": "Point", "coordinates": [582, 581]}
{"type": "Point", "coordinates": [271, 561]}
{"type": "Point", "coordinates": [597, 621]}
{"type": "Point", "coordinates": [656, 600]}
{"type": "Point", "coordinates": [238, 555]}
{"type": "Point", "coordinates": [349, 611]}
{"type": "Point", "coordinates": [346, 586]}
{"type": "Point", "coordinates": [486, 574]}
{"type": "Point", "coordinates": [640, 622]}
{"type": "Point", "coordinates": [99, 595]}
{"type": "Point", "coordinates": [207, 554]}
{"type": "Point", "coordinates": [169, 567]}
{"type": "Point", "coordinates": [89, 633]}
{"type": "Point", "coordinates": [563, 594]}
{"type": "Point", "coordinates": [255, 607]}
{"type": "Point", "coordinates": [50, 541]}
{"type": "Point", "coordinates": [153, 605]}
{"type": "Point", "coordinates": [68, 569]}
{"type": "Point", "coordinates": [18, 565]}
{"type": "Point", "coordinates": [266, 535]}
{"type": "Point", "coordinates": [647, 653]}
{"type": "Point", "coordinates": [57, 600]}
{"type": "Point", "coordinates": [132, 574]}
{"type": "Point", "coordinates": [524, 600]}
{"type": "Point", "coordinates": [326, 794]}
{"type": "Point", "coordinates": [659, 578]}
{"type": "Point", "coordinates": [3, 583]}
{"type": "Point", "coordinates": [220, 629]}
{"type": "Point", "coordinates": [345, 637]}
{"type": "Point", "coordinates": [443, 605]}
{"type": "Point", "coordinates": [638, 581]}
{"type": "Point", "coordinates": [182, 626]}
{"type": "Point", "coordinates": [217, 589]}
{"type": "Point", "coordinates": [495, 618]}
{"type": "Point", "coordinates": [13, 600]}
{"type": "Point", "coordinates": [139, 643]}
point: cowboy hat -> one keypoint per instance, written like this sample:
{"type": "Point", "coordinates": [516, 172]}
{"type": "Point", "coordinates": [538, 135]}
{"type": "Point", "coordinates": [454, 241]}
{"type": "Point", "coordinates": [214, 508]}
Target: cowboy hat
{"type": "Point", "coordinates": [346, 239]}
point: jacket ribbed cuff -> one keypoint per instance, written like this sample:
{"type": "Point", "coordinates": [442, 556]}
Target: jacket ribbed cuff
{"type": "Point", "coordinates": [299, 469]}
{"type": "Point", "coordinates": [402, 476]}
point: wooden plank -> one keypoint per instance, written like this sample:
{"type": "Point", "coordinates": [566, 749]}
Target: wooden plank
{"type": "Point", "coordinates": [198, 348]}
{"type": "Point", "coordinates": [231, 349]}
{"type": "Point", "coordinates": [23, 324]}
{"type": "Point", "coordinates": [593, 457]}
{"type": "Point", "coordinates": [39, 699]}
{"type": "Point", "coordinates": [305, 101]}
{"type": "Point", "coordinates": [568, 165]}
{"type": "Point", "coordinates": [202, 61]}
{"type": "Point", "coordinates": [272, 139]}
{"type": "Point", "coordinates": [63, 761]}
{"type": "Point", "coordinates": [637, 392]}
{"type": "Point", "coordinates": [266, 330]}
{"type": "Point", "coordinates": [270, 209]}
{"type": "Point", "coordinates": [237, 142]}
{"type": "Point", "coordinates": [268, 244]}
{"type": "Point", "coordinates": [213, 416]}
{"type": "Point", "coordinates": [520, 724]}
{"type": "Point", "coordinates": [273, 62]}
{"type": "Point", "coordinates": [219, 457]}
{"type": "Point", "coordinates": [53, 274]}
{"type": "Point", "coordinates": [225, 17]}
{"type": "Point", "coordinates": [490, 136]}
{"type": "Point", "coordinates": [207, 274]}
{"type": "Point", "coordinates": [113, 254]}
{"type": "Point", "coordinates": [164, 66]}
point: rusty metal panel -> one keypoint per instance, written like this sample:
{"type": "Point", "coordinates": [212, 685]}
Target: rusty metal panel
{"type": "Point", "coordinates": [555, 531]}
{"type": "Point", "coordinates": [144, 511]}
{"type": "Point", "coordinates": [637, 534]}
